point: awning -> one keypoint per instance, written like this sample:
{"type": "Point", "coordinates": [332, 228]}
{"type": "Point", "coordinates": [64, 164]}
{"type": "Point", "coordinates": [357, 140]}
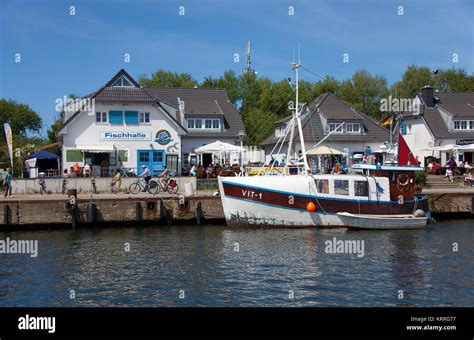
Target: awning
{"type": "Point", "coordinates": [466, 148]}
{"type": "Point", "coordinates": [323, 150]}
{"type": "Point", "coordinates": [95, 147]}
{"type": "Point", "coordinates": [218, 147]}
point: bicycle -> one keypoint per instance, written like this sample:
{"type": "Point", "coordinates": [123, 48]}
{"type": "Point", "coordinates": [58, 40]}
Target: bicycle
{"type": "Point", "coordinates": [172, 186]}
{"type": "Point", "coordinates": [42, 185]}
{"type": "Point", "coordinates": [140, 185]}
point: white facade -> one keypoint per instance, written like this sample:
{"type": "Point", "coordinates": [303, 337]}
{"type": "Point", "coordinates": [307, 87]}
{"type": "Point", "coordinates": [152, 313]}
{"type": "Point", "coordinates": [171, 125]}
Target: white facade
{"type": "Point", "coordinates": [126, 140]}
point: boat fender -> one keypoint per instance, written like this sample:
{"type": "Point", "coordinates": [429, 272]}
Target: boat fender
{"type": "Point", "coordinates": [419, 213]}
{"type": "Point", "coordinates": [311, 207]}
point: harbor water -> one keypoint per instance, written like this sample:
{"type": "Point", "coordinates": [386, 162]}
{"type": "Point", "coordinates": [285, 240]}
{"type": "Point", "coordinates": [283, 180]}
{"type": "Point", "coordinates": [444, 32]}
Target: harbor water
{"type": "Point", "coordinates": [216, 266]}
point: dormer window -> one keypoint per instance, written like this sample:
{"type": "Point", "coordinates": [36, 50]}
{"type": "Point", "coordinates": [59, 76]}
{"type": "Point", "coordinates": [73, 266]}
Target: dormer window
{"type": "Point", "coordinates": [279, 131]}
{"type": "Point", "coordinates": [334, 126]}
{"type": "Point", "coordinates": [463, 124]}
{"type": "Point", "coordinates": [122, 82]}
{"type": "Point", "coordinates": [352, 127]}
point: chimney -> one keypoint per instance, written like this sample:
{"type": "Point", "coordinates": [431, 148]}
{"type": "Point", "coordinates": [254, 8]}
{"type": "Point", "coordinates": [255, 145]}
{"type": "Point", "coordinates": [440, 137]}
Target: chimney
{"type": "Point", "coordinates": [426, 94]}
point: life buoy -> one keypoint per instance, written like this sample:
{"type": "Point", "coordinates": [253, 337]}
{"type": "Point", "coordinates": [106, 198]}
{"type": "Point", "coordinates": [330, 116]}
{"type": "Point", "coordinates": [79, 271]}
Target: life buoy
{"type": "Point", "coordinates": [403, 181]}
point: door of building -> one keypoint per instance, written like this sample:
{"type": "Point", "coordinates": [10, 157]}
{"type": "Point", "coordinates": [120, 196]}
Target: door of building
{"type": "Point", "coordinates": [154, 160]}
{"type": "Point", "coordinates": [172, 163]}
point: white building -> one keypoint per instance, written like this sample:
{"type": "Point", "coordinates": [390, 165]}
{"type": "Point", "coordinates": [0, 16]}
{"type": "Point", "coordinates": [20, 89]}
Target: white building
{"type": "Point", "coordinates": [129, 126]}
{"type": "Point", "coordinates": [324, 115]}
{"type": "Point", "coordinates": [442, 119]}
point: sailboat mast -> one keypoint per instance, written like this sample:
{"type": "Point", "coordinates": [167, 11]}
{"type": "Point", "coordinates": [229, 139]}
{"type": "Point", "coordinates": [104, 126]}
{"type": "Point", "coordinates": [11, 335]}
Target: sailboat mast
{"type": "Point", "coordinates": [296, 67]}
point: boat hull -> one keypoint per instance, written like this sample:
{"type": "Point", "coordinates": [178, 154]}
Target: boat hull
{"type": "Point", "coordinates": [258, 204]}
{"type": "Point", "coordinates": [385, 222]}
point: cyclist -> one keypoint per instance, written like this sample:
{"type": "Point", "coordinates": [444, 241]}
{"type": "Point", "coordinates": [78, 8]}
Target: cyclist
{"type": "Point", "coordinates": [165, 175]}
{"type": "Point", "coordinates": [147, 175]}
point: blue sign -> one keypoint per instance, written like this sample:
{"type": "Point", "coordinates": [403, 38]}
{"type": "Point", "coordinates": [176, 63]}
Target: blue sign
{"type": "Point", "coordinates": [163, 137]}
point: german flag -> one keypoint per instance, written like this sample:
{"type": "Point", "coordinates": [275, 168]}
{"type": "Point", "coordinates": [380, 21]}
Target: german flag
{"type": "Point", "coordinates": [387, 121]}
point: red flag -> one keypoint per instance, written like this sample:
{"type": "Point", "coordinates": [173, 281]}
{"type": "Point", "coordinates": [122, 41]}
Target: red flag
{"type": "Point", "coordinates": [405, 156]}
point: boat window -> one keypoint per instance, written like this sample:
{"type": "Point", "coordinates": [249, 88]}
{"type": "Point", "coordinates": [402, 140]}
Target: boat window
{"type": "Point", "coordinates": [361, 188]}
{"type": "Point", "coordinates": [341, 187]}
{"type": "Point", "coordinates": [323, 186]}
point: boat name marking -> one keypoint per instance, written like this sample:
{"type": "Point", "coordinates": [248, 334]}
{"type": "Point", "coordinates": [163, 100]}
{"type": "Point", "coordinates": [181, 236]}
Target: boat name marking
{"type": "Point", "coordinates": [252, 194]}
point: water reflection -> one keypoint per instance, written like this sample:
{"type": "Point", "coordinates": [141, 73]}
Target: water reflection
{"type": "Point", "coordinates": [205, 264]}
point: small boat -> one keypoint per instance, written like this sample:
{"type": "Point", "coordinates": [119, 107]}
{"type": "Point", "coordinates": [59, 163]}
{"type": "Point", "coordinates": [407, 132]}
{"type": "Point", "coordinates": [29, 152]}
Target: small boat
{"type": "Point", "coordinates": [382, 222]}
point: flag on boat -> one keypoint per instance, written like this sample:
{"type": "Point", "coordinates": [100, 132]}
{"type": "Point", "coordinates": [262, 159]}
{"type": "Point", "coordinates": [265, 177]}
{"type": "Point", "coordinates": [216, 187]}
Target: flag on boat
{"type": "Point", "coordinates": [405, 156]}
{"type": "Point", "coordinates": [388, 121]}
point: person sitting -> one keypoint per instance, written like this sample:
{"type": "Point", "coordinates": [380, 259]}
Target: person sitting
{"type": "Point", "coordinates": [468, 178]}
{"type": "Point", "coordinates": [86, 172]}
{"type": "Point", "coordinates": [209, 170]}
{"type": "Point", "coordinates": [193, 171]}
{"type": "Point", "coordinates": [76, 169]}
{"type": "Point", "coordinates": [449, 174]}
{"type": "Point", "coordinates": [467, 167]}
{"type": "Point", "coordinates": [146, 174]}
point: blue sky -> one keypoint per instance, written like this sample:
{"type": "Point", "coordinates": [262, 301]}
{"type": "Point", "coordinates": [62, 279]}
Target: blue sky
{"type": "Point", "coordinates": [62, 54]}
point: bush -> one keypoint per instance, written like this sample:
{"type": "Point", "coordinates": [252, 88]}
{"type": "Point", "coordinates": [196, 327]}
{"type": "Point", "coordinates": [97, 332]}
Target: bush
{"type": "Point", "coordinates": [420, 178]}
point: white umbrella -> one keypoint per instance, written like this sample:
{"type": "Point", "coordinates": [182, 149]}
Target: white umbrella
{"type": "Point", "coordinates": [324, 150]}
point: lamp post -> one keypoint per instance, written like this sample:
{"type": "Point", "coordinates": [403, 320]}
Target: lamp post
{"type": "Point", "coordinates": [241, 136]}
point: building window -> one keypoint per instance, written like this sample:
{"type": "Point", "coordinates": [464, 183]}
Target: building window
{"type": "Point", "coordinates": [361, 188]}
{"type": "Point", "coordinates": [463, 125]}
{"type": "Point", "coordinates": [144, 157]}
{"type": "Point", "coordinates": [101, 117]}
{"type": "Point", "coordinates": [323, 186]}
{"type": "Point", "coordinates": [279, 131]}
{"type": "Point", "coordinates": [353, 127]}
{"type": "Point", "coordinates": [198, 123]}
{"type": "Point", "coordinates": [333, 126]}
{"type": "Point", "coordinates": [122, 82]}
{"type": "Point", "coordinates": [341, 187]}
{"type": "Point", "coordinates": [131, 117]}
{"type": "Point", "coordinates": [208, 124]}
{"type": "Point", "coordinates": [144, 117]}
{"type": "Point", "coordinates": [116, 117]}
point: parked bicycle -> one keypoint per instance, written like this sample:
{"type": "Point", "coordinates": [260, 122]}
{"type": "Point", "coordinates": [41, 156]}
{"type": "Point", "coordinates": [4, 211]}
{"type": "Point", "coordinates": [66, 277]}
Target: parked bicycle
{"type": "Point", "coordinates": [140, 185]}
{"type": "Point", "coordinates": [42, 185]}
{"type": "Point", "coordinates": [64, 186]}
{"type": "Point", "coordinates": [93, 185]}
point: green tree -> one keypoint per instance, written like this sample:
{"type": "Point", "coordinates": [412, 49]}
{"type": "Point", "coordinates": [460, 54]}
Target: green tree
{"type": "Point", "coordinates": [22, 118]}
{"type": "Point", "coordinates": [364, 92]}
{"type": "Point", "coordinates": [454, 80]}
{"type": "Point", "coordinates": [229, 81]}
{"type": "Point", "coordinates": [162, 78]}
{"type": "Point", "coordinates": [413, 79]}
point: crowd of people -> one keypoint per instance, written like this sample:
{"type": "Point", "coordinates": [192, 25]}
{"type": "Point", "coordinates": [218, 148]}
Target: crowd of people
{"type": "Point", "coordinates": [452, 169]}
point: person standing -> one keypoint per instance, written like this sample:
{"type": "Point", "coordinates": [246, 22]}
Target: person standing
{"type": "Point", "coordinates": [7, 182]}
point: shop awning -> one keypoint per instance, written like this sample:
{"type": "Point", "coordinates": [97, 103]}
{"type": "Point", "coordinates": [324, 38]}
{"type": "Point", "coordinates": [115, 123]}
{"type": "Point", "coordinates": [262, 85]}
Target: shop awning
{"type": "Point", "coordinates": [95, 147]}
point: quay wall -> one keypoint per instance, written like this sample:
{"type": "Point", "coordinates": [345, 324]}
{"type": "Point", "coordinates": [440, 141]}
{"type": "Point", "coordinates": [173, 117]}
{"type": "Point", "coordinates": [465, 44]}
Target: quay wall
{"type": "Point", "coordinates": [156, 210]}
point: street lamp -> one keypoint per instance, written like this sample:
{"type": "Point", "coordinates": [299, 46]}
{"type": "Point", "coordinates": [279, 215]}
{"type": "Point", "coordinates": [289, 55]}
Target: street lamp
{"type": "Point", "coordinates": [241, 136]}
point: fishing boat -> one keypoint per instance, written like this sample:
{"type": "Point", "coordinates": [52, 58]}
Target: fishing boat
{"type": "Point", "coordinates": [383, 222]}
{"type": "Point", "coordinates": [296, 199]}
